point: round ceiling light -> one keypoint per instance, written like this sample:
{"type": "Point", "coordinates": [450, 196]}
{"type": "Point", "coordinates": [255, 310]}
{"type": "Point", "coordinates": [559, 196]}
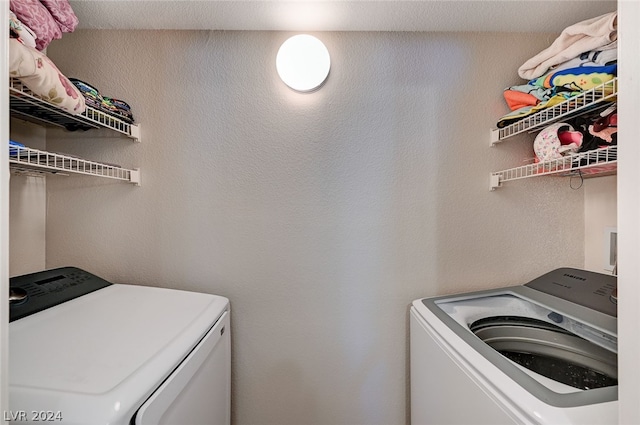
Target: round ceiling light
{"type": "Point", "coordinates": [303, 63]}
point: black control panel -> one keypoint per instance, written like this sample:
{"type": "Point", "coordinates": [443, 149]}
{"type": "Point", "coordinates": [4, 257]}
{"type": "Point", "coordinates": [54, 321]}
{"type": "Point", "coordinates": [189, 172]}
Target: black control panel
{"type": "Point", "coordinates": [34, 292]}
{"type": "Point", "coordinates": [589, 289]}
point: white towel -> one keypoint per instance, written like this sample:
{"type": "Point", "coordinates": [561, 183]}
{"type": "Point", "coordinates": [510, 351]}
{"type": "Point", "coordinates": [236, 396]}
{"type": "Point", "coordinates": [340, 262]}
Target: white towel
{"type": "Point", "coordinates": [598, 33]}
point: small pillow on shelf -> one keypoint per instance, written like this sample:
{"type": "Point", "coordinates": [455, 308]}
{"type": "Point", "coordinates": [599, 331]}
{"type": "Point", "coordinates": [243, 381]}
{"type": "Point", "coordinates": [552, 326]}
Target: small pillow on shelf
{"type": "Point", "coordinates": [42, 77]}
{"type": "Point", "coordinates": [63, 14]}
{"type": "Point", "coordinates": [26, 34]}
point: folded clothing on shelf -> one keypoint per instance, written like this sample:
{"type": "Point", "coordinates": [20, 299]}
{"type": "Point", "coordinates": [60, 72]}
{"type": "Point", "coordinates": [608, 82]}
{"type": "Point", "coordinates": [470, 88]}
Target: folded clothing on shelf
{"type": "Point", "coordinates": [109, 105]}
{"type": "Point", "coordinates": [14, 147]}
{"type": "Point", "coordinates": [599, 33]}
{"type": "Point", "coordinates": [582, 58]}
{"type": "Point", "coordinates": [552, 89]}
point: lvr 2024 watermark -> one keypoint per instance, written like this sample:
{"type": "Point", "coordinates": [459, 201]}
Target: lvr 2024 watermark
{"type": "Point", "coordinates": [32, 416]}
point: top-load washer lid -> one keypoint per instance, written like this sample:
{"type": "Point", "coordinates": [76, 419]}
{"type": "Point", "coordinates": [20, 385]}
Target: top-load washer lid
{"type": "Point", "coordinates": [562, 352]}
{"type": "Point", "coordinates": [96, 358]}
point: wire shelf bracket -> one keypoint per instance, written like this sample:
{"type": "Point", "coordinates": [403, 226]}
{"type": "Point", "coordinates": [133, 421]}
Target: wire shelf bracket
{"type": "Point", "coordinates": [589, 99]}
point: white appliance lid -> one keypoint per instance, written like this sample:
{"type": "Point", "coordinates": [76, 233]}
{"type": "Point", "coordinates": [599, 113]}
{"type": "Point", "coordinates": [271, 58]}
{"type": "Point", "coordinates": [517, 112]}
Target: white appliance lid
{"type": "Point", "coordinates": [106, 351]}
{"type": "Point", "coordinates": [457, 312]}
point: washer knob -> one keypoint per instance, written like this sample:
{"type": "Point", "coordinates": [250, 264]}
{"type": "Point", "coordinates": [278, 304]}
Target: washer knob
{"type": "Point", "coordinates": [17, 295]}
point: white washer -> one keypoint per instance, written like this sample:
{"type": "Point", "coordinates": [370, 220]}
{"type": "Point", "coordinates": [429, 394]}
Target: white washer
{"type": "Point", "coordinates": [542, 353]}
{"type": "Point", "coordinates": [84, 351]}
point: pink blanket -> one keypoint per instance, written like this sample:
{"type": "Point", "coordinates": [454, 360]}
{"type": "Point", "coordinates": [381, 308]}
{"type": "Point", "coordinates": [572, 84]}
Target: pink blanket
{"type": "Point", "coordinates": [48, 19]}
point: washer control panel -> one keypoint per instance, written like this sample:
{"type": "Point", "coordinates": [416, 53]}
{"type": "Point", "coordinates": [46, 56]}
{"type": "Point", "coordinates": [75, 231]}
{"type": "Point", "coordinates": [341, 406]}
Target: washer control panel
{"type": "Point", "coordinates": [31, 293]}
{"type": "Point", "coordinates": [593, 290]}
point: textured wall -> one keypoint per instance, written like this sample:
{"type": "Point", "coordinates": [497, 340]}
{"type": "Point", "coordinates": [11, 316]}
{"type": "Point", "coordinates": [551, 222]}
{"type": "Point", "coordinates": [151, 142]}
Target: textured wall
{"type": "Point", "coordinates": [600, 212]}
{"type": "Point", "coordinates": [27, 207]}
{"type": "Point", "coordinates": [321, 216]}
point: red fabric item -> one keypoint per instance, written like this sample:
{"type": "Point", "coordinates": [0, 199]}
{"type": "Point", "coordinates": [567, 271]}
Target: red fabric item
{"type": "Point", "coordinates": [567, 137]}
{"type": "Point", "coordinates": [517, 99]}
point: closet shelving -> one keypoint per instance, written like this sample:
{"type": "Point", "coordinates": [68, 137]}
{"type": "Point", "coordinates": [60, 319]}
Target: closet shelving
{"type": "Point", "coordinates": [599, 162]}
{"type": "Point", "coordinates": [25, 105]}
{"type": "Point", "coordinates": [23, 159]}
{"type": "Point", "coordinates": [584, 102]}
{"type": "Point", "coordinates": [28, 106]}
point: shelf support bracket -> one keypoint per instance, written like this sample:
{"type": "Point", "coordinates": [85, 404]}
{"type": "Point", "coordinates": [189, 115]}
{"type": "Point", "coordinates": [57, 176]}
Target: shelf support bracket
{"type": "Point", "coordinates": [134, 132]}
{"type": "Point", "coordinates": [495, 136]}
{"type": "Point", "coordinates": [135, 176]}
{"type": "Point", "coordinates": [495, 181]}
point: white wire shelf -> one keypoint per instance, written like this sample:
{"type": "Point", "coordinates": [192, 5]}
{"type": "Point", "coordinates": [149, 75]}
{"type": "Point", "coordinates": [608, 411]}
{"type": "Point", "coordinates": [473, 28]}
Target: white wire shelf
{"type": "Point", "coordinates": [23, 159]}
{"type": "Point", "coordinates": [598, 162]}
{"type": "Point", "coordinates": [589, 99]}
{"type": "Point", "coordinates": [26, 105]}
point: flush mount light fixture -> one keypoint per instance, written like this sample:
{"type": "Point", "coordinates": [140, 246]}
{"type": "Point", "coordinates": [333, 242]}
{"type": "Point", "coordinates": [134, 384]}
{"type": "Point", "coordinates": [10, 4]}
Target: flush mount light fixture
{"type": "Point", "coordinates": [303, 63]}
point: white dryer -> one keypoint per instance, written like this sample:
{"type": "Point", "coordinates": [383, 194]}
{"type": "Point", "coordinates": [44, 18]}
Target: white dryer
{"type": "Point", "coordinates": [84, 351]}
{"type": "Point", "coordinates": [540, 353]}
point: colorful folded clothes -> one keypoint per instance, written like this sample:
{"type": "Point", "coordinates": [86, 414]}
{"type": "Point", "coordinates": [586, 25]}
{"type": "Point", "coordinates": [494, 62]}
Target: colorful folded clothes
{"type": "Point", "coordinates": [91, 95]}
{"type": "Point", "coordinates": [526, 111]}
{"type": "Point", "coordinates": [118, 107]}
{"type": "Point", "coordinates": [591, 58]}
{"type": "Point", "coordinates": [581, 78]}
{"type": "Point", "coordinates": [114, 107]}
{"type": "Point", "coordinates": [552, 89]}
{"type": "Point", "coordinates": [525, 95]}
{"type": "Point", "coordinates": [14, 147]}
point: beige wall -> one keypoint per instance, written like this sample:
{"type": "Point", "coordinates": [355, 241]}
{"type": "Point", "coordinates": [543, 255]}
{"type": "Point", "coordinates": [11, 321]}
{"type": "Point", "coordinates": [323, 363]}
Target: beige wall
{"type": "Point", "coordinates": [321, 216]}
{"type": "Point", "coordinates": [27, 212]}
{"type": "Point", "coordinates": [600, 213]}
